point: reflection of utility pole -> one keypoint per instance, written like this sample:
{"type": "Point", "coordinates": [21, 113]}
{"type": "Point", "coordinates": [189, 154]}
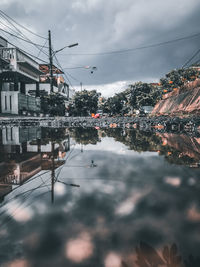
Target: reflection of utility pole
{"type": "Point", "coordinates": [50, 63]}
{"type": "Point", "coordinates": [52, 172]}
{"type": "Point", "coordinates": [92, 165]}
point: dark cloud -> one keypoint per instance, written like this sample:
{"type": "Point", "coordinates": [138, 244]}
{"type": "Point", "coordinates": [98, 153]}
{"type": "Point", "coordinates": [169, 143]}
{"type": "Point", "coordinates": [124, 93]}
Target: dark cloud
{"type": "Point", "coordinates": [100, 26]}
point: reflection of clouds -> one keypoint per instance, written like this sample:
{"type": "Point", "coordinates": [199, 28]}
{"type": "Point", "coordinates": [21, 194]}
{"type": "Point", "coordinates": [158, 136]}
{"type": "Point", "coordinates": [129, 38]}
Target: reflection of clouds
{"type": "Point", "coordinates": [18, 212]}
{"type": "Point", "coordinates": [127, 206]}
{"type": "Point", "coordinates": [194, 214]}
{"type": "Point", "coordinates": [112, 260]}
{"type": "Point", "coordinates": [17, 263]}
{"type": "Point", "coordinates": [79, 249]}
{"type": "Point", "coordinates": [59, 189]}
{"type": "Point", "coordinates": [174, 181]}
{"type": "Point", "coordinates": [122, 201]}
{"type": "Point", "coordinates": [111, 145]}
{"type": "Point", "coordinates": [191, 181]}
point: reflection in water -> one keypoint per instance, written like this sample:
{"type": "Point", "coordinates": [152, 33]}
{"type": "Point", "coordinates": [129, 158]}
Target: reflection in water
{"type": "Point", "coordinates": [26, 152]}
{"type": "Point", "coordinates": [112, 190]}
{"type": "Point", "coordinates": [147, 256]}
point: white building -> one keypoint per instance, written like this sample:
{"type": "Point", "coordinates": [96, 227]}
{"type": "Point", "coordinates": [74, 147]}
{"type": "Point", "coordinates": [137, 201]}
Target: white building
{"type": "Point", "coordinates": [17, 70]}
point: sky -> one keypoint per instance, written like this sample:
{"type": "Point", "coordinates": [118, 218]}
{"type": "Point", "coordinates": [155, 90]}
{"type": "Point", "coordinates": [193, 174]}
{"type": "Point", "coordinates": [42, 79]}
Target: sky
{"type": "Point", "coordinates": [101, 26]}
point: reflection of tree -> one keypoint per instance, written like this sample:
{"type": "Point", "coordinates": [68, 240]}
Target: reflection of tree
{"type": "Point", "coordinates": [136, 140]}
{"type": "Point", "coordinates": [85, 136]}
{"type": "Point", "coordinates": [176, 157]}
{"type": "Point", "coordinates": [148, 141]}
{"type": "Point", "coordinates": [171, 257]}
{"type": "Point", "coordinates": [147, 256]}
{"type": "Point", "coordinates": [53, 134]}
{"type": "Point", "coordinates": [192, 262]}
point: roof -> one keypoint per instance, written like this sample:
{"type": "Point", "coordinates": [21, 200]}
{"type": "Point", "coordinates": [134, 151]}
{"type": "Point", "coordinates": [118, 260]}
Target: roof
{"type": "Point", "coordinates": [45, 69]}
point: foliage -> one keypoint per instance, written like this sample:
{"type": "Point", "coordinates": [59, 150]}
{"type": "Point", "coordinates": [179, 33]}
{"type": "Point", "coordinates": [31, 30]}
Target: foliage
{"type": "Point", "coordinates": [53, 105]}
{"type": "Point", "coordinates": [177, 78]}
{"type": "Point", "coordinates": [85, 136]}
{"type": "Point", "coordinates": [115, 105]}
{"type": "Point", "coordinates": [52, 134]}
{"type": "Point", "coordinates": [84, 103]}
{"type": "Point", "coordinates": [143, 94]}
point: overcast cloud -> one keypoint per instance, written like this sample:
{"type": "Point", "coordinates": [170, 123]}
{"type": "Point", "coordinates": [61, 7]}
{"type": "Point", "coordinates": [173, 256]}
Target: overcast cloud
{"type": "Point", "coordinates": [102, 26]}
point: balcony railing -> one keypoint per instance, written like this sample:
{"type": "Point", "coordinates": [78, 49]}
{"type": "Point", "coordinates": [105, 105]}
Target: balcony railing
{"type": "Point", "coordinates": [20, 62]}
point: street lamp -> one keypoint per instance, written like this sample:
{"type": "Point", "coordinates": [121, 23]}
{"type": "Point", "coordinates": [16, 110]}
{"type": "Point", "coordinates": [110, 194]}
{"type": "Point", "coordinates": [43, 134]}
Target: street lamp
{"type": "Point", "coordinates": [51, 58]}
{"type": "Point", "coordinates": [92, 68]}
{"type": "Point", "coordinates": [69, 46]}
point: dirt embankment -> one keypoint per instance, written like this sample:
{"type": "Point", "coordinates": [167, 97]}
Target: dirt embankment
{"type": "Point", "coordinates": [183, 101]}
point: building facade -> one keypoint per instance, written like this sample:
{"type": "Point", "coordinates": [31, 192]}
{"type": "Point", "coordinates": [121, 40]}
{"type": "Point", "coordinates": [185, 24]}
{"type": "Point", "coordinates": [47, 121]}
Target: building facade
{"type": "Point", "coordinates": [17, 70]}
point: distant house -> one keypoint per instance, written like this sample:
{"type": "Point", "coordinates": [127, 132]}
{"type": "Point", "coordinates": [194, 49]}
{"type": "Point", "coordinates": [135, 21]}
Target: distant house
{"type": "Point", "coordinates": [17, 70]}
{"type": "Point", "coordinates": [147, 109]}
{"type": "Point", "coordinates": [59, 84]}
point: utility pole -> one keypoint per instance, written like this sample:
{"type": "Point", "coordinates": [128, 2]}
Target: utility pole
{"type": "Point", "coordinates": [50, 63]}
{"type": "Point", "coordinates": [81, 84]}
{"type": "Point", "coordinates": [52, 171]}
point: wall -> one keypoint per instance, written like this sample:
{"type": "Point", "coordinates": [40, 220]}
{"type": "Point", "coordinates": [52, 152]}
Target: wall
{"type": "Point", "coordinates": [10, 136]}
{"type": "Point", "coordinates": [185, 101]}
{"type": "Point", "coordinates": [42, 86]}
{"type": "Point", "coordinates": [28, 103]}
{"type": "Point", "coordinates": [6, 105]}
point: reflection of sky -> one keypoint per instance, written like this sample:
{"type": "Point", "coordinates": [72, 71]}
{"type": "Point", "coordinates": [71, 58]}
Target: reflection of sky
{"type": "Point", "coordinates": [127, 198]}
{"type": "Point", "coordinates": [109, 144]}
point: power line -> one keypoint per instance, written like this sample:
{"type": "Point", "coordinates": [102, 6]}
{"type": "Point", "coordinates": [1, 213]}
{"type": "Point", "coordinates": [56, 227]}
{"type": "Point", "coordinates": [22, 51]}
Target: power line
{"type": "Point", "coordinates": [28, 53]}
{"type": "Point", "coordinates": [136, 48]}
{"type": "Point", "coordinates": [38, 35]}
{"type": "Point", "coordinates": [30, 42]}
{"type": "Point", "coordinates": [71, 68]}
{"type": "Point", "coordinates": [63, 71]}
{"type": "Point", "coordinates": [5, 25]}
{"type": "Point", "coordinates": [72, 77]}
{"type": "Point", "coordinates": [42, 48]}
{"type": "Point", "coordinates": [195, 54]}
{"type": "Point", "coordinates": [19, 31]}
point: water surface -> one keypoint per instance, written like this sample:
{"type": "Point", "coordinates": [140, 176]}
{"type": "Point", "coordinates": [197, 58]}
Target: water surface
{"type": "Point", "coordinates": [99, 197]}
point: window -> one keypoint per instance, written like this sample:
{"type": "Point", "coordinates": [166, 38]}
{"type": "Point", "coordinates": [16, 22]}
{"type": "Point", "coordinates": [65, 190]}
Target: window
{"type": "Point", "coordinates": [11, 133]}
{"type": "Point", "coordinates": [10, 102]}
{"type": "Point", "coordinates": [5, 102]}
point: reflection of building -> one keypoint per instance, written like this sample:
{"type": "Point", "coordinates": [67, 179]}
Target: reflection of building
{"type": "Point", "coordinates": [17, 70]}
{"type": "Point", "coordinates": [23, 154]}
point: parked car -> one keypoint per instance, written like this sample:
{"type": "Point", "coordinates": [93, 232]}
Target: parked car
{"type": "Point", "coordinates": [100, 112]}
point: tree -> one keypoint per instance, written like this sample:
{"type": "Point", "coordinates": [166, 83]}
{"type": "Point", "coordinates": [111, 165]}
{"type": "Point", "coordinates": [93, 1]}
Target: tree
{"type": "Point", "coordinates": [143, 94]}
{"type": "Point", "coordinates": [177, 78]}
{"type": "Point", "coordinates": [84, 103]}
{"type": "Point", "coordinates": [53, 105]}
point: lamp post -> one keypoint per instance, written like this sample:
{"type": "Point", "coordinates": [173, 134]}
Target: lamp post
{"type": "Point", "coordinates": [51, 58]}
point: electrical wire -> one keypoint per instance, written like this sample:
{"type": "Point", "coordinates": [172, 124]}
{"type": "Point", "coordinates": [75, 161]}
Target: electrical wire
{"type": "Point", "coordinates": [5, 25]}
{"type": "Point", "coordinates": [28, 53]}
{"type": "Point", "coordinates": [30, 42]}
{"type": "Point", "coordinates": [63, 71]}
{"type": "Point", "coordinates": [7, 16]}
{"type": "Point", "coordinates": [21, 33]}
{"type": "Point", "coordinates": [42, 48]}
{"type": "Point", "coordinates": [136, 48]}
{"type": "Point", "coordinates": [193, 56]}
